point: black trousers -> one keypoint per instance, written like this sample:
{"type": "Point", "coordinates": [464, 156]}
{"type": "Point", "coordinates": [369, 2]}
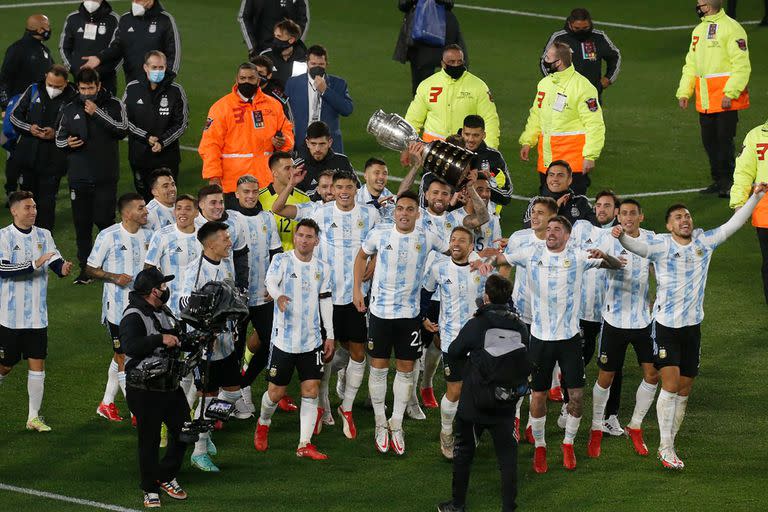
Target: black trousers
{"type": "Point", "coordinates": [717, 133]}
{"type": "Point", "coordinates": [45, 188]}
{"type": "Point", "coordinates": [152, 408]}
{"type": "Point", "coordinates": [261, 319]}
{"type": "Point", "coordinates": [579, 185]}
{"type": "Point", "coordinates": [11, 175]}
{"type": "Point", "coordinates": [762, 237]}
{"type": "Point", "coordinates": [420, 71]}
{"type": "Point", "coordinates": [141, 180]}
{"type": "Point", "coordinates": [92, 204]}
{"type": "Point", "coordinates": [505, 444]}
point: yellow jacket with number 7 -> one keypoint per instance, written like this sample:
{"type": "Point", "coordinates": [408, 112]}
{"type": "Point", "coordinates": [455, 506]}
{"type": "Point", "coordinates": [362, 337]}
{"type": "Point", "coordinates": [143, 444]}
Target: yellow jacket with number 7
{"type": "Point", "coordinates": [565, 120]}
{"type": "Point", "coordinates": [752, 167]}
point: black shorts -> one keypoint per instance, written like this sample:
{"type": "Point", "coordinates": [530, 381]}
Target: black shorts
{"type": "Point", "coordinates": [348, 324]}
{"type": "Point", "coordinates": [114, 336]}
{"type": "Point", "coordinates": [567, 353]}
{"type": "Point", "coordinates": [433, 315]}
{"type": "Point", "coordinates": [453, 368]}
{"type": "Point", "coordinates": [400, 334]}
{"type": "Point", "coordinates": [223, 373]}
{"type": "Point", "coordinates": [309, 365]}
{"type": "Point", "coordinates": [613, 343]}
{"type": "Point", "coordinates": [16, 344]}
{"type": "Point", "coordinates": [679, 347]}
{"type": "Point", "coordinates": [261, 318]}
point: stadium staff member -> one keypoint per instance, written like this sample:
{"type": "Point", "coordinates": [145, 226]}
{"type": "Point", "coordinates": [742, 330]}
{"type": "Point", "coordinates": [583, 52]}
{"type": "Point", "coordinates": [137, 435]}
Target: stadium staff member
{"type": "Point", "coordinates": [287, 52]}
{"type": "Point", "coordinates": [752, 167]}
{"type": "Point", "coordinates": [488, 160]}
{"type": "Point", "coordinates": [443, 100]}
{"type": "Point", "coordinates": [242, 130]}
{"type": "Point", "coordinates": [590, 48]}
{"type": "Point", "coordinates": [268, 84]}
{"type": "Point", "coordinates": [717, 70]}
{"type": "Point", "coordinates": [146, 27]}
{"type": "Point", "coordinates": [148, 328]}
{"type": "Point", "coordinates": [88, 31]}
{"type": "Point", "coordinates": [494, 338]}
{"type": "Point", "coordinates": [318, 155]}
{"type": "Point", "coordinates": [565, 120]}
{"type": "Point", "coordinates": [40, 164]}
{"type": "Point", "coordinates": [157, 117]}
{"type": "Point", "coordinates": [257, 19]}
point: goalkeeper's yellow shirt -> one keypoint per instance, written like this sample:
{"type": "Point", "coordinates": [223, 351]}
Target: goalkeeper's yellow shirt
{"type": "Point", "coordinates": [285, 227]}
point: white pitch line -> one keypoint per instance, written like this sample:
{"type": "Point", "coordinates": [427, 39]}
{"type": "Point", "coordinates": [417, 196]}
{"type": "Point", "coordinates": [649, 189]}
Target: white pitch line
{"type": "Point", "coordinates": [42, 4]}
{"type": "Point", "coordinates": [68, 499]}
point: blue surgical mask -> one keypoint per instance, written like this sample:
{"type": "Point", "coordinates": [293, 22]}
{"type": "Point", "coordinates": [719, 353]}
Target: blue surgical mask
{"type": "Point", "coordinates": [156, 75]}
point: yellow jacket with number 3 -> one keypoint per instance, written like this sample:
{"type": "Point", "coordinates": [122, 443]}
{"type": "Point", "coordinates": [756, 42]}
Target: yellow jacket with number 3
{"type": "Point", "coordinates": [441, 104]}
{"type": "Point", "coordinates": [717, 64]}
{"type": "Point", "coordinates": [566, 121]}
{"type": "Point", "coordinates": [752, 167]}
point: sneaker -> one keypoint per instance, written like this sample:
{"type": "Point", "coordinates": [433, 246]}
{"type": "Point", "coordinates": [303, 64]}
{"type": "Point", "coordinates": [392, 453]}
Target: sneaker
{"type": "Point", "coordinates": [108, 411]}
{"type": "Point", "coordinates": [563, 418]}
{"type": "Point", "coordinates": [341, 383]}
{"type": "Point", "coordinates": [347, 423]}
{"type": "Point", "coordinates": [670, 460]}
{"type": "Point", "coordinates": [210, 448]}
{"type": "Point", "coordinates": [714, 188]}
{"type": "Point", "coordinates": [163, 435]}
{"type": "Point", "coordinates": [287, 404]}
{"type": "Point", "coordinates": [446, 445]}
{"type": "Point", "coordinates": [593, 447]}
{"type": "Point", "coordinates": [82, 278]}
{"type": "Point", "coordinates": [540, 459]}
{"type": "Point", "coordinates": [428, 398]}
{"type": "Point", "coordinates": [612, 427]}
{"type": "Point", "coordinates": [413, 411]}
{"type": "Point", "coordinates": [319, 421]}
{"type": "Point", "coordinates": [569, 457]}
{"type": "Point", "coordinates": [724, 193]}
{"type": "Point", "coordinates": [448, 506]}
{"type": "Point", "coordinates": [381, 436]}
{"type": "Point", "coordinates": [151, 500]}
{"type": "Point", "coordinates": [636, 435]}
{"type": "Point", "coordinates": [260, 437]}
{"type": "Point", "coordinates": [309, 451]}
{"type": "Point", "coordinates": [397, 440]}
{"type": "Point", "coordinates": [173, 489]}
{"type": "Point", "coordinates": [38, 423]}
{"type": "Point", "coordinates": [529, 435]}
{"type": "Point", "coordinates": [204, 463]}
{"type": "Point", "coordinates": [242, 412]}
{"type": "Point", "coordinates": [556, 394]}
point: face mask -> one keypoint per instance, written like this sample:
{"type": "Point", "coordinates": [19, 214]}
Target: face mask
{"type": "Point", "coordinates": [138, 9]}
{"type": "Point", "coordinates": [551, 67]}
{"type": "Point", "coordinates": [699, 12]}
{"type": "Point", "coordinates": [582, 35]}
{"type": "Point", "coordinates": [279, 45]}
{"type": "Point", "coordinates": [165, 295]}
{"type": "Point", "coordinates": [45, 35]}
{"type": "Point", "coordinates": [316, 71]}
{"type": "Point", "coordinates": [156, 75]}
{"type": "Point", "coordinates": [455, 72]}
{"type": "Point", "coordinates": [86, 97]}
{"type": "Point", "coordinates": [91, 6]}
{"type": "Point", "coordinates": [247, 90]}
{"type": "Point", "coordinates": [52, 91]}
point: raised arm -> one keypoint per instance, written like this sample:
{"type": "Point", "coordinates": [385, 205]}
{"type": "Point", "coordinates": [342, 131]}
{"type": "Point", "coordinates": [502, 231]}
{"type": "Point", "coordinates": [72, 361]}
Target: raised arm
{"type": "Point", "coordinates": [280, 206]}
{"type": "Point", "coordinates": [634, 245]}
{"type": "Point", "coordinates": [481, 215]}
{"type": "Point", "coordinates": [744, 213]}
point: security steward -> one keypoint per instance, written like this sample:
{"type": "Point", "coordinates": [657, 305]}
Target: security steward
{"type": "Point", "coordinates": [717, 70]}
{"type": "Point", "coordinates": [565, 120]}
{"type": "Point", "coordinates": [493, 345]}
{"type": "Point", "coordinates": [242, 130]}
{"type": "Point", "coordinates": [157, 117]}
{"type": "Point", "coordinates": [147, 330]}
{"type": "Point", "coordinates": [40, 163]}
{"type": "Point", "coordinates": [752, 167]}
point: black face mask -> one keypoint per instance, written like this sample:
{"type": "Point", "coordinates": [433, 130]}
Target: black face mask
{"type": "Point", "coordinates": [247, 90]}
{"type": "Point", "coordinates": [86, 97]}
{"type": "Point", "coordinates": [551, 67]}
{"type": "Point", "coordinates": [45, 35]}
{"type": "Point", "coordinates": [279, 45]}
{"type": "Point", "coordinates": [316, 71]}
{"type": "Point", "coordinates": [582, 35]}
{"type": "Point", "coordinates": [455, 72]}
{"type": "Point", "coordinates": [165, 296]}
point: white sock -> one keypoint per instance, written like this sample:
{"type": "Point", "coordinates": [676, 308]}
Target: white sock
{"type": "Point", "coordinates": [401, 392]}
{"type": "Point", "coordinates": [229, 396]}
{"type": "Point", "coordinates": [340, 359]}
{"type": "Point", "coordinates": [643, 400]}
{"type": "Point", "coordinates": [201, 445]}
{"type": "Point", "coordinates": [599, 399]}
{"type": "Point", "coordinates": [307, 419]}
{"type": "Point", "coordinates": [112, 384]}
{"type": "Point", "coordinates": [355, 374]}
{"type": "Point", "coordinates": [268, 408]}
{"type": "Point", "coordinates": [571, 428]}
{"type": "Point", "coordinates": [555, 376]}
{"type": "Point", "coordinates": [35, 386]}
{"type": "Point", "coordinates": [665, 413]}
{"type": "Point", "coordinates": [247, 395]}
{"type": "Point", "coordinates": [323, 399]}
{"type": "Point", "coordinates": [518, 406]}
{"type": "Point", "coordinates": [202, 404]}
{"type": "Point", "coordinates": [431, 360]}
{"type": "Point", "coordinates": [377, 390]}
{"type": "Point", "coordinates": [681, 402]}
{"type": "Point", "coordinates": [447, 414]}
{"type": "Point", "coordinates": [121, 382]}
{"type": "Point", "coordinates": [537, 426]}
{"type": "Point", "coordinates": [2, 377]}
{"type": "Point", "coordinates": [413, 397]}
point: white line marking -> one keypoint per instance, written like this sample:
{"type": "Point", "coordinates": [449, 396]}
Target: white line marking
{"type": "Point", "coordinates": [40, 4]}
{"type": "Point", "coordinates": [68, 499]}
{"type": "Point", "coordinates": [604, 23]}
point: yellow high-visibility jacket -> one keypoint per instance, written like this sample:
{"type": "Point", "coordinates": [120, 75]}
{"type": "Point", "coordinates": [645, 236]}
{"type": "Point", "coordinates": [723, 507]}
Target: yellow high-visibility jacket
{"type": "Point", "coordinates": [565, 120]}
{"type": "Point", "coordinates": [441, 104]}
{"type": "Point", "coordinates": [717, 64]}
{"type": "Point", "coordinates": [752, 167]}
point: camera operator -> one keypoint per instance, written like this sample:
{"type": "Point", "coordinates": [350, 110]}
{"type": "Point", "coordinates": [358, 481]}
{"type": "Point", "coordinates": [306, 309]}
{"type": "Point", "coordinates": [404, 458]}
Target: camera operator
{"type": "Point", "coordinates": [148, 329]}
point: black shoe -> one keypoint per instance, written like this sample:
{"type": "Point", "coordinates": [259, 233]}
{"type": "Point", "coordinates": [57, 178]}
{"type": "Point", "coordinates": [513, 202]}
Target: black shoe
{"type": "Point", "coordinates": [725, 193]}
{"type": "Point", "coordinates": [448, 506]}
{"type": "Point", "coordinates": [763, 22]}
{"type": "Point", "coordinates": [714, 188]}
{"type": "Point", "coordinates": [82, 278]}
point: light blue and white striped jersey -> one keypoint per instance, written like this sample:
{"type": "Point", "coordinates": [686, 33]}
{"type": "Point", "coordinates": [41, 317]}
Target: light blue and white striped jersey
{"type": "Point", "coordinates": [627, 302]}
{"type": "Point", "coordinates": [260, 234]}
{"type": "Point", "coordinates": [159, 215]}
{"type": "Point", "coordinates": [681, 276]}
{"type": "Point", "coordinates": [521, 296]}
{"type": "Point", "coordinates": [341, 236]}
{"type": "Point", "coordinates": [441, 225]}
{"type": "Point", "coordinates": [400, 269]}
{"type": "Point", "coordinates": [586, 236]}
{"type": "Point", "coordinates": [484, 235]}
{"type": "Point", "coordinates": [297, 329]}
{"type": "Point", "coordinates": [196, 274]}
{"type": "Point", "coordinates": [238, 241]}
{"type": "Point", "coordinates": [554, 281]}
{"type": "Point", "coordinates": [386, 212]}
{"type": "Point", "coordinates": [119, 252]}
{"type": "Point", "coordinates": [23, 297]}
{"type": "Point", "coordinates": [458, 287]}
{"type": "Point", "coordinates": [171, 250]}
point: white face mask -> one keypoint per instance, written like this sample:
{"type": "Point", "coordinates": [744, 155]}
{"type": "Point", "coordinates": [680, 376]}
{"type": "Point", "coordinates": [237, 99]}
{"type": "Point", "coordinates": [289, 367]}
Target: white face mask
{"type": "Point", "coordinates": [91, 6]}
{"type": "Point", "coordinates": [52, 91]}
{"type": "Point", "coordinates": [138, 9]}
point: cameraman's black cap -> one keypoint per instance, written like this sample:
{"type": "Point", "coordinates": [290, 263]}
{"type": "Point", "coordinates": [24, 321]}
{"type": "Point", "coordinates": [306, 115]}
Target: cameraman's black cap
{"type": "Point", "coordinates": [148, 279]}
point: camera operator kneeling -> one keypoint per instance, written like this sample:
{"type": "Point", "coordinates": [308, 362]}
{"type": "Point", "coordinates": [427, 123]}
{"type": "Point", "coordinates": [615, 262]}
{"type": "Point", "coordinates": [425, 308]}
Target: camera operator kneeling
{"type": "Point", "coordinates": [148, 333]}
